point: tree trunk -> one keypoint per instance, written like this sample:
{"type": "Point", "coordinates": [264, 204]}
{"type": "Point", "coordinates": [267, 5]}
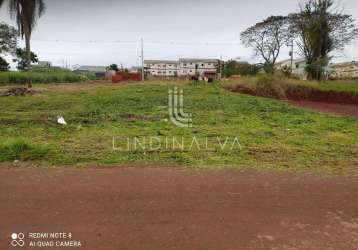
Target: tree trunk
{"type": "Point", "coordinates": [28, 52]}
{"type": "Point", "coordinates": [28, 59]}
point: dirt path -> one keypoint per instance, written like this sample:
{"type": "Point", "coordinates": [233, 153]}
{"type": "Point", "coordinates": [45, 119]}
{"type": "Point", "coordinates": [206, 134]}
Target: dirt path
{"type": "Point", "coordinates": [161, 208]}
{"type": "Point", "coordinates": [344, 109]}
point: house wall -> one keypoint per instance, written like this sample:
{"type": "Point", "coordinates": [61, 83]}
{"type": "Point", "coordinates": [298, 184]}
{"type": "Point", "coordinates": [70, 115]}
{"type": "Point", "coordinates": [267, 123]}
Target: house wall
{"type": "Point", "coordinates": [180, 68]}
{"type": "Point", "coordinates": [190, 68]}
{"type": "Point", "coordinates": [349, 70]}
{"type": "Point", "coordinates": [298, 67]}
{"type": "Point", "coordinates": [162, 69]}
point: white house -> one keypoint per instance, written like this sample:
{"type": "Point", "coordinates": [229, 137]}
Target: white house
{"type": "Point", "coordinates": [98, 71]}
{"type": "Point", "coordinates": [192, 67]}
{"type": "Point", "coordinates": [298, 68]}
{"type": "Point", "coordinates": [183, 67]}
{"type": "Point", "coordinates": [161, 67]}
{"type": "Point", "coordinates": [344, 70]}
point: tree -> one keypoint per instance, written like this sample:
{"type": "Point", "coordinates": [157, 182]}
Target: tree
{"type": "Point", "coordinates": [21, 58]}
{"type": "Point", "coordinates": [267, 38]}
{"type": "Point", "coordinates": [113, 67]}
{"type": "Point", "coordinates": [26, 14]}
{"type": "Point", "coordinates": [233, 67]}
{"type": "Point", "coordinates": [4, 66]}
{"type": "Point", "coordinates": [319, 32]}
{"type": "Point", "coordinates": [8, 39]}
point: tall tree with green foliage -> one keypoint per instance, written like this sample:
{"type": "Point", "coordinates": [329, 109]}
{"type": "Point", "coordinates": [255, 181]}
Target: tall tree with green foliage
{"type": "Point", "coordinates": [267, 38]}
{"type": "Point", "coordinates": [8, 43]}
{"type": "Point", "coordinates": [233, 67]}
{"type": "Point", "coordinates": [320, 31]}
{"type": "Point", "coordinates": [26, 14]}
{"type": "Point", "coordinates": [4, 66]}
{"type": "Point", "coordinates": [21, 58]}
{"type": "Point", "coordinates": [8, 39]}
{"type": "Point", "coordinates": [113, 67]}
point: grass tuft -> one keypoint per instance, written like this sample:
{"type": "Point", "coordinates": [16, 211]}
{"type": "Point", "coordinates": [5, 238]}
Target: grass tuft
{"type": "Point", "coordinates": [18, 149]}
{"type": "Point", "coordinates": [41, 76]}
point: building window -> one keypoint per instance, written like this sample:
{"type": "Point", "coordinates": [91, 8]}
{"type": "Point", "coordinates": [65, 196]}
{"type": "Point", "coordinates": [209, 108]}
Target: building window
{"type": "Point", "coordinates": [184, 64]}
{"type": "Point", "coordinates": [202, 64]}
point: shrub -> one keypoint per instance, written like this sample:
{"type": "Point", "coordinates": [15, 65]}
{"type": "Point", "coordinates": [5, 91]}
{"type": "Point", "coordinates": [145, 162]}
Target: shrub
{"type": "Point", "coordinates": [4, 66]}
{"type": "Point", "coordinates": [18, 149]}
{"type": "Point", "coordinates": [270, 86]}
{"type": "Point", "coordinates": [233, 67]}
{"type": "Point", "coordinates": [41, 76]}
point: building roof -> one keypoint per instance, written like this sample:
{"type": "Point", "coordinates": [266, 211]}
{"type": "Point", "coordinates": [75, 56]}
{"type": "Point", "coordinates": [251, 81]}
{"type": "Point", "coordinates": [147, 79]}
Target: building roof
{"type": "Point", "coordinates": [99, 69]}
{"type": "Point", "coordinates": [44, 63]}
{"type": "Point", "coordinates": [298, 60]}
{"type": "Point", "coordinates": [198, 60]}
{"type": "Point", "coordinates": [160, 61]}
{"type": "Point", "coordinates": [344, 64]}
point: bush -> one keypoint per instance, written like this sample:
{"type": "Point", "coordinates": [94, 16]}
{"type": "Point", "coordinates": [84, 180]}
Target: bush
{"type": "Point", "coordinates": [270, 86]}
{"type": "Point", "coordinates": [20, 150]}
{"type": "Point", "coordinates": [41, 76]}
{"type": "Point", "coordinates": [233, 67]}
{"type": "Point", "coordinates": [4, 66]}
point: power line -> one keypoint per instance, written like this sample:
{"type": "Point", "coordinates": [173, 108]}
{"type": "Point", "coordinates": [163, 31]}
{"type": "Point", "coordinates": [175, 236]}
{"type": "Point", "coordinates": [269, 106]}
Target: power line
{"type": "Point", "coordinates": [84, 41]}
{"type": "Point", "coordinates": [147, 42]}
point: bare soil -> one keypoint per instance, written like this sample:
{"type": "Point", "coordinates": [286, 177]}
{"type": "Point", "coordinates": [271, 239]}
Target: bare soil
{"type": "Point", "coordinates": [299, 93]}
{"type": "Point", "coordinates": [171, 208]}
{"type": "Point", "coordinates": [345, 103]}
{"type": "Point", "coordinates": [343, 109]}
{"type": "Point", "coordinates": [18, 91]}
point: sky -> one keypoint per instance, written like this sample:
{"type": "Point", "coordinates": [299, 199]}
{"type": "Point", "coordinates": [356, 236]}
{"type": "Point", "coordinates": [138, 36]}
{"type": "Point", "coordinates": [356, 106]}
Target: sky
{"type": "Point", "coordinates": [89, 32]}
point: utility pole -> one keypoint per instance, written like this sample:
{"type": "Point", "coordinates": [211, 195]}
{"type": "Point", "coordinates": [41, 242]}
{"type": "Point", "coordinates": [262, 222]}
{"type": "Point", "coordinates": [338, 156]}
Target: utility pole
{"type": "Point", "coordinates": [291, 54]}
{"type": "Point", "coordinates": [221, 66]}
{"type": "Point", "coordinates": [142, 56]}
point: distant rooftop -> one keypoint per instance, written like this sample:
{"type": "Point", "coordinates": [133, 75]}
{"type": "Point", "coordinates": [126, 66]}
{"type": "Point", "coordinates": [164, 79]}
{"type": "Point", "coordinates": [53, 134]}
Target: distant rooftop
{"type": "Point", "coordinates": [297, 60]}
{"type": "Point", "coordinates": [93, 68]}
{"type": "Point", "coordinates": [186, 60]}
{"type": "Point", "coordinates": [198, 60]}
{"type": "Point", "coordinates": [345, 64]}
{"type": "Point", "coordinates": [161, 61]}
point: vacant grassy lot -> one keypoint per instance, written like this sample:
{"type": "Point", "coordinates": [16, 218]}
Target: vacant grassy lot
{"type": "Point", "coordinates": [41, 76]}
{"type": "Point", "coordinates": [338, 85]}
{"type": "Point", "coordinates": [272, 134]}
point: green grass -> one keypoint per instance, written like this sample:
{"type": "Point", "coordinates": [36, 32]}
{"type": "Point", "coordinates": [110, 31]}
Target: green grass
{"type": "Point", "coordinates": [18, 149]}
{"type": "Point", "coordinates": [40, 76]}
{"type": "Point", "coordinates": [272, 133]}
{"type": "Point", "coordinates": [337, 85]}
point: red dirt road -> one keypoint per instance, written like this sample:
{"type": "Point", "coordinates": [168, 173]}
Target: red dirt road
{"type": "Point", "coordinates": [162, 208]}
{"type": "Point", "coordinates": [343, 109]}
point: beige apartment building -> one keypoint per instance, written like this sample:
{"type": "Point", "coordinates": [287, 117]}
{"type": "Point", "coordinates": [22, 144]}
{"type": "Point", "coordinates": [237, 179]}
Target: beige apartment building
{"type": "Point", "coordinates": [344, 70]}
{"type": "Point", "coordinates": [192, 67]}
{"type": "Point", "coordinates": [183, 67]}
{"type": "Point", "coordinates": [161, 67]}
